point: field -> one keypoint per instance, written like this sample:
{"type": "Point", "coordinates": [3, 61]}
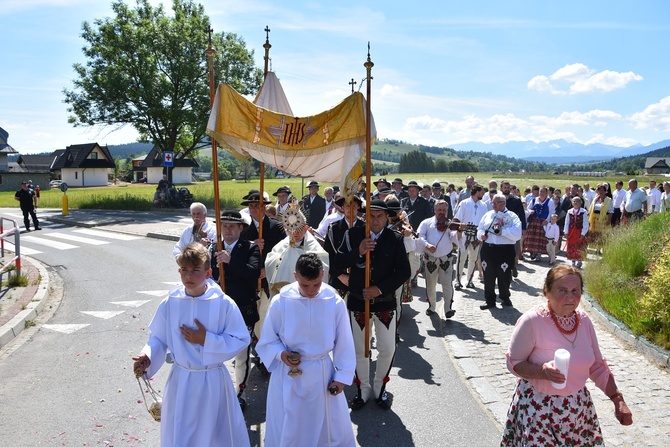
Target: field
{"type": "Point", "coordinates": [140, 196]}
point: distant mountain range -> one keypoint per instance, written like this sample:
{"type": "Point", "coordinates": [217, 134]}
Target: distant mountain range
{"type": "Point", "coordinates": [559, 151]}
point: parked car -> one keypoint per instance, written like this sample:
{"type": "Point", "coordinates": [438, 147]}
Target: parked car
{"type": "Point", "coordinates": [55, 184]}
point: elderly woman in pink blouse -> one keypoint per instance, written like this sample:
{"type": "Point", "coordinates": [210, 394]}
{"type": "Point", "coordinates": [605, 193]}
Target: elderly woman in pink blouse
{"type": "Point", "coordinates": [540, 414]}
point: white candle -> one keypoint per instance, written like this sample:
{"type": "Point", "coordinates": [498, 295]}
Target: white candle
{"type": "Point", "coordinates": [562, 363]}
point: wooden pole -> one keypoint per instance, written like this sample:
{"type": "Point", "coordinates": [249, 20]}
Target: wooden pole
{"type": "Point", "coordinates": [368, 173]}
{"type": "Point", "coordinates": [215, 163]}
{"type": "Point", "coordinates": [261, 169]}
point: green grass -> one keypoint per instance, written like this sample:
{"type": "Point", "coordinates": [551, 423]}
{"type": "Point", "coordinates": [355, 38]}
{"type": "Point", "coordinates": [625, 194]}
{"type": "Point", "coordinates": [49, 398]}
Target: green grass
{"type": "Point", "coordinates": [620, 280]}
{"type": "Point", "coordinates": [140, 196]}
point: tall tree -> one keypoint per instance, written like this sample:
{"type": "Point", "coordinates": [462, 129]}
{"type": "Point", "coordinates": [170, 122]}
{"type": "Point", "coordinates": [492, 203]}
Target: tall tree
{"type": "Point", "coordinates": [148, 69]}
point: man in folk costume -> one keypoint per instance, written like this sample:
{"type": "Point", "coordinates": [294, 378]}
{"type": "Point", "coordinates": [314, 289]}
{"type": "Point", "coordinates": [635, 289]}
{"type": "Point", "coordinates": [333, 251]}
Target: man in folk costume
{"type": "Point", "coordinates": [283, 195]}
{"type": "Point", "coordinates": [469, 211]}
{"type": "Point", "coordinates": [418, 210]}
{"type": "Point", "coordinates": [308, 346]}
{"type": "Point", "coordinates": [339, 272]}
{"type": "Point", "coordinates": [241, 260]}
{"type": "Point", "coordinates": [313, 205]}
{"type": "Point", "coordinates": [379, 184]}
{"type": "Point", "coordinates": [515, 205]}
{"type": "Point", "coordinates": [389, 269]}
{"type": "Point", "coordinates": [399, 224]}
{"type": "Point", "coordinates": [499, 229]}
{"type": "Point", "coordinates": [280, 263]}
{"type": "Point", "coordinates": [272, 234]}
{"type": "Point", "coordinates": [202, 231]}
{"type": "Point", "coordinates": [439, 258]}
{"type": "Point", "coordinates": [329, 197]}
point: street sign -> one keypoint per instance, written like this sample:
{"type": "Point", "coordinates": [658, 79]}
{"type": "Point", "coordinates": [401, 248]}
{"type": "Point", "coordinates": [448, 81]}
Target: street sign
{"type": "Point", "coordinates": [167, 159]}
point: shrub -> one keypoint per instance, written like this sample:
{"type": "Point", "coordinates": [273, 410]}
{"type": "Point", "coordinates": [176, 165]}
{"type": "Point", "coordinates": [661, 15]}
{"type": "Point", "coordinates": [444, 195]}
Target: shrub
{"type": "Point", "coordinates": [655, 303]}
{"type": "Point", "coordinates": [628, 280]}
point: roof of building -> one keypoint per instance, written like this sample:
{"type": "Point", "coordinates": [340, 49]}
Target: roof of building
{"type": "Point", "coordinates": [656, 162]}
{"type": "Point", "coordinates": [76, 156]}
{"type": "Point", "coordinates": [36, 163]}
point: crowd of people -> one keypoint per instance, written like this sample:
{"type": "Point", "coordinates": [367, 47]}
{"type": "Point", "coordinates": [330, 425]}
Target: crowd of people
{"type": "Point", "coordinates": [289, 288]}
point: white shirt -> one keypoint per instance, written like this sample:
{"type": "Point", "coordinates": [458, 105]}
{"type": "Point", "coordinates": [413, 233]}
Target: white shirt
{"type": "Point", "coordinates": [443, 240]}
{"type": "Point", "coordinates": [588, 197]}
{"type": "Point", "coordinates": [326, 221]}
{"type": "Point", "coordinates": [618, 195]}
{"type": "Point", "coordinates": [654, 200]}
{"type": "Point", "coordinates": [469, 211]}
{"type": "Point", "coordinates": [187, 237]}
{"type": "Point", "coordinates": [510, 227]}
{"type": "Point", "coordinates": [552, 231]}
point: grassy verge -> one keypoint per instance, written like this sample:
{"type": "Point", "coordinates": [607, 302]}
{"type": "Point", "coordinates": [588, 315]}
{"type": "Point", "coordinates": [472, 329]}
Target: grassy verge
{"type": "Point", "coordinates": [628, 281]}
{"type": "Point", "coordinates": [139, 197]}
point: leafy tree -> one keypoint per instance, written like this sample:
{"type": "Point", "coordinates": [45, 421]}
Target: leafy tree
{"type": "Point", "coordinates": [149, 70]}
{"type": "Point", "coordinates": [416, 161]}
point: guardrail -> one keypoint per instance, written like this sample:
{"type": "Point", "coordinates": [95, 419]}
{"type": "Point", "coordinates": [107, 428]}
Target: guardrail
{"type": "Point", "coordinates": [16, 260]}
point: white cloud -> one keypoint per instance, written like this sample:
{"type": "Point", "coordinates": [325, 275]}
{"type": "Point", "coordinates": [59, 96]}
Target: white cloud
{"type": "Point", "coordinates": [541, 83]}
{"type": "Point", "coordinates": [655, 116]}
{"type": "Point", "coordinates": [509, 127]}
{"type": "Point", "coordinates": [388, 89]}
{"type": "Point", "coordinates": [578, 78]}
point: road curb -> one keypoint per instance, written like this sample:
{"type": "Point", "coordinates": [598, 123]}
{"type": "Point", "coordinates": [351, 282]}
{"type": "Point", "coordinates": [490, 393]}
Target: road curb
{"type": "Point", "coordinates": [13, 327]}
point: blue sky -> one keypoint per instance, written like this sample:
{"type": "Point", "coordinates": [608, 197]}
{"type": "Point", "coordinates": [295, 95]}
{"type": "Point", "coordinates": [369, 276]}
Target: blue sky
{"type": "Point", "coordinates": [445, 71]}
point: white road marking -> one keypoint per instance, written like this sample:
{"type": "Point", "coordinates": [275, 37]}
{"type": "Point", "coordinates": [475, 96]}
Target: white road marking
{"type": "Point", "coordinates": [137, 303]}
{"type": "Point", "coordinates": [105, 314]}
{"type": "Point", "coordinates": [73, 238]}
{"type": "Point", "coordinates": [65, 328]}
{"type": "Point", "coordinates": [107, 234]}
{"type": "Point", "coordinates": [24, 250]}
{"type": "Point", "coordinates": [49, 243]}
{"type": "Point", "coordinates": [154, 292]}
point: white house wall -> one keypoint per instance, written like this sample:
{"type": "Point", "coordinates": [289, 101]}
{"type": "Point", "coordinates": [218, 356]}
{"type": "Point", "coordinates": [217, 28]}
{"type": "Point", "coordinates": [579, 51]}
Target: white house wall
{"type": "Point", "coordinates": [179, 175]}
{"type": "Point", "coordinates": [85, 177]}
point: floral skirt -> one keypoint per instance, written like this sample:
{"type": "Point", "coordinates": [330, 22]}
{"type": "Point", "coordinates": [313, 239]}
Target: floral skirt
{"type": "Point", "coordinates": [538, 419]}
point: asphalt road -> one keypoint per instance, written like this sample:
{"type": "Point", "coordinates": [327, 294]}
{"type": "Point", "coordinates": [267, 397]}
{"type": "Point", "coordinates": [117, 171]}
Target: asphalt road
{"type": "Point", "coordinates": [69, 381]}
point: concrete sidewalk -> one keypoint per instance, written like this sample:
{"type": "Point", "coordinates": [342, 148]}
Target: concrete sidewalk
{"type": "Point", "coordinates": [479, 339]}
{"type": "Point", "coordinates": [476, 339]}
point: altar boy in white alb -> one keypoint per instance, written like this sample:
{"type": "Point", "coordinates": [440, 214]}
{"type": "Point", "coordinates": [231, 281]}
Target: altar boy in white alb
{"type": "Point", "coordinates": [202, 328]}
{"type": "Point", "coordinates": [307, 407]}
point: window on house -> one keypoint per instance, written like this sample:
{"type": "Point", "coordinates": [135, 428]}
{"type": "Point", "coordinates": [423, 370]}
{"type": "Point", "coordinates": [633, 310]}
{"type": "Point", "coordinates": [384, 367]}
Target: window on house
{"type": "Point", "coordinates": [93, 155]}
{"type": "Point", "coordinates": [76, 175]}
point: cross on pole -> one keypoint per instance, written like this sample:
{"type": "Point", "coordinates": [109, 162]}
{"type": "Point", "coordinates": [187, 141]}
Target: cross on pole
{"type": "Point", "coordinates": [267, 34]}
{"type": "Point", "coordinates": [352, 84]}
{"type": "Point", "coordinates": [209, 34]}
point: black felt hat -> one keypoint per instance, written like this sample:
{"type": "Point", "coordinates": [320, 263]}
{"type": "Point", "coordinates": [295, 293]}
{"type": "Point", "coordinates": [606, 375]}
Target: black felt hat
{"type": "Point", "coordinates": [254, 198]}
{"type": "Point", "coordinates": [285, 189]}
{"type": "Point", "coordinates": [380, 205]}
{"type": "Point", "coordinates": [231, 216]}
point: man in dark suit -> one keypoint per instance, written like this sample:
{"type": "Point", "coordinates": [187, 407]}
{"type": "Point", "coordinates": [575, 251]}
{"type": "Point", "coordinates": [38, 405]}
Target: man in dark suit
{"type": "Point", "coordinates": [515, 205]}
{"type": "Point", "coordinates": [389, 269]}
{"type": "Point", "coordinates": [397, 187]}
{"type": "Point", "coordinates": [420, 211]}
{"type": "Point", "coordinates": [241, 261]}
{"type": "Point", "coordinates": [337, 272]}
{"type": "Point", "coordinates": [416, 205]}
{"type": "Point", "coordinates": [313, 205]}
{"type": "Point", "coordinates": [272, 234]}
